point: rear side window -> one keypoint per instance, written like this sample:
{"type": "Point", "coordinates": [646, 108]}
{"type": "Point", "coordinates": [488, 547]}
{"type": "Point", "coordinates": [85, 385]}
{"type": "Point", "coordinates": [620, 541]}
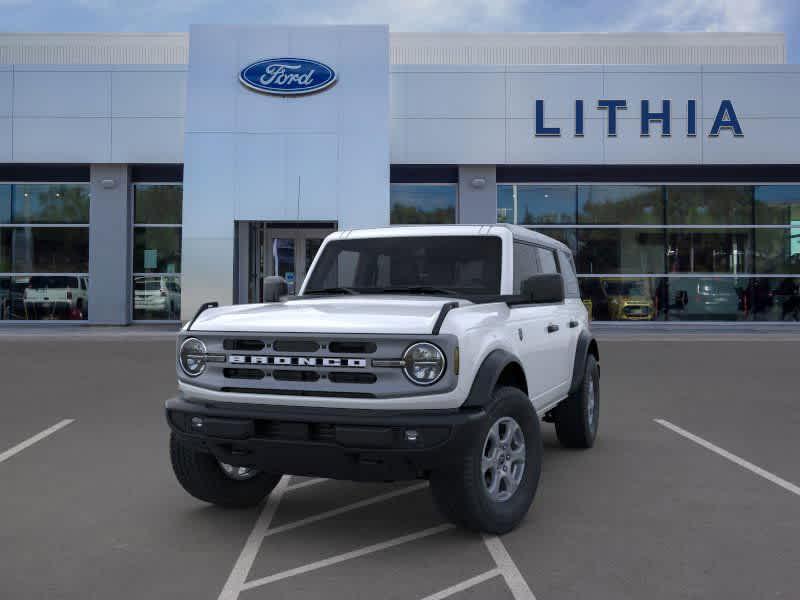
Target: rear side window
{"type": "Point", "coordinates": [547, 260]}
{"type": "Point", "coordinates": [526, 264]}
{"type": "Point", "coordinates": [571, 288]}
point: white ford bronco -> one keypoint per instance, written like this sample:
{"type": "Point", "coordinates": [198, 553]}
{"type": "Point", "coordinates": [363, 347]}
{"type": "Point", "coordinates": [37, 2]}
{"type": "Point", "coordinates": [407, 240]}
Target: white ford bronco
{"type": "Point", "coordinates": [409, 352]}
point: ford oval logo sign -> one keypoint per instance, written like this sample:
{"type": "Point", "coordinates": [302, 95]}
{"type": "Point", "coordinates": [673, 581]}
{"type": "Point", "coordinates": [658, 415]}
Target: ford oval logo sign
{"type": "Point", "coordinates": [287, 76]}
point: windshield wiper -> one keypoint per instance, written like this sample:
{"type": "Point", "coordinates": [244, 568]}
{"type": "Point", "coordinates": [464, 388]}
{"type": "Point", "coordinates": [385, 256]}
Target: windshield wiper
{"type": "Point", "coordinates": [415, 289]}
{"type": "Point", "coordinates": [331, 290]}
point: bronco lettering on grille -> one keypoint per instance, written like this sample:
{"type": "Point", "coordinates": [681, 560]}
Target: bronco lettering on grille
{"type": "Point", "coordinates": [296, 361]}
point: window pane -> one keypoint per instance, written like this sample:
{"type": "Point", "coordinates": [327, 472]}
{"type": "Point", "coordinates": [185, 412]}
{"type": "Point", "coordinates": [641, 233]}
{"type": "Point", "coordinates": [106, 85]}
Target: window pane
{"type": "Point", "coordinates": [5, 203]}
{"type": "Point", "coordinates": [423, 204]}
{"type": "Point", "coordinates": [624, 298]}
{"type": "Point", "coordinates": [156, 297]}
{"type": "Point", "coordinates": [708, 299]}
{"type": "Point", "coordinates": [568, 237]}
{"type": "Point", "coordinates": [505, 203]}
{"type": "Point", "coordinates": [44, 203]}
{"type": "Point", "coordinates": [568, 271]}
{"type": "Point", "coordinates": [620, 251]}
{"type": "Point", "coordinates": [774, 299]}
{"type": "Point", "coordinates": [710, 251]}
{"type": "Point", "coordinates": [547, 260]}
{"type": "Point", "coordinates": [778, 250]}
{"type": "Point", "coordinates": [44, 297]}
{"type": "Point", "coordinates": [777, 205]}
{"type": "Point", "coordinates": [526, 264]}
{"type": "Point", "coordinates": [157, 249]}
{"type": "Point", "coordinates": [537, 204]}
{"type": "Point", "coordinates": [158, 204]}
{"type": "Point", "coordinates": [621, 204]}
{"type": "Point", "coordinates": [44, 249]}
{"type": "Point", "coordinates": [709, 205]}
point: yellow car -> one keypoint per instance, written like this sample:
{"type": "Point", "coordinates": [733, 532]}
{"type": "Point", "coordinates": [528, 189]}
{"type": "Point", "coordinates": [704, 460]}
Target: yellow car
{"type": "Point", "coordinates": [628, 299]}
{"type": "Point", "coordinates": [587, 302]}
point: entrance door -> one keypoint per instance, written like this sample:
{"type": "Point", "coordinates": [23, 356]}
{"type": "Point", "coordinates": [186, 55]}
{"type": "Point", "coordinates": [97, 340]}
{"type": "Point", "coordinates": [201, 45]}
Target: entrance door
{"type": "Point", "coordinates": [286, 250]}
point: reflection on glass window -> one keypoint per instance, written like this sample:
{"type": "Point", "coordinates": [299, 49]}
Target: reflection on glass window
{"type": "Point", "coordinates": [778, 205]}
{"type": "Point", "coordinates": [23, 203]}
{"type": "Point", "coordinates": [620, 204]}
{"type": "Point", "coordinates": [709, 205]}
{"type": "Point", "coordinates": [158, 204]}
{"type": "Point", "coordinates": [775, 299]}
{"type": "Point", "coordinates": [44, 297]}
{"type": "Point", "coordinates": [710, 251]}
{"type": "Point", "coordinates": [157, 249]}
{"type": "Point", "coordinates": [413, 204]}
{"type": "Point", "coordinates": [778, 250]}
{"type": "Point", "coordinates": [156, 297]}
{"type": "Point", "coordinates": [538, 204]}
{"type": "Point", "coordinates": [44, 249]}
{"type": "Point", "coordinates": [708, 299]}
{"type": "Point", "coordinates": [623, 298]}
{"type": "Point", "coordinates": [157, 213]}
{"type": "Point", "coordinates": [568, 237]}
{"type": "Point", "coordinates": [620, 251]}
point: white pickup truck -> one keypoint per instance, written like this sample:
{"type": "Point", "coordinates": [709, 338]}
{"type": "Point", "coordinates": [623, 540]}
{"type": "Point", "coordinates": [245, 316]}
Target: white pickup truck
{"type": "Point", "coordinates": [410, 352]}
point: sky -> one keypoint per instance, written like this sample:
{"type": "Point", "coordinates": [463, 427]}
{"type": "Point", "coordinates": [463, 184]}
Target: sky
{"type": "Point", "coordinates": [414, 15]}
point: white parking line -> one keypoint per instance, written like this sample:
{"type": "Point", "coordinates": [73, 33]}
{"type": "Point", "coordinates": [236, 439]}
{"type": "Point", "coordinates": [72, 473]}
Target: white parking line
{"type": "Point", "coordinates": [344, 509]}
{"type": "Point", "coordinates": [514, 579]}
{"type": "Point", "coordinates": [333, 560]}
{"type": "Point", "coordinates": [33, 439]}
{"type": "Point", "coordinates": [307, 483]}
{"type": "Point", "coordinates": [244, 563]}
{"type": "Point", "coordinates": [788, 486]}
{"type": "Point", "coordinates": [464, 585]}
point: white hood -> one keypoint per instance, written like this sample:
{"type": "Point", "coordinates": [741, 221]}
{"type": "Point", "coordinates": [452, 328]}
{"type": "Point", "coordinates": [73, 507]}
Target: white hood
{"type": "Point", "coordinates": [333, 314]}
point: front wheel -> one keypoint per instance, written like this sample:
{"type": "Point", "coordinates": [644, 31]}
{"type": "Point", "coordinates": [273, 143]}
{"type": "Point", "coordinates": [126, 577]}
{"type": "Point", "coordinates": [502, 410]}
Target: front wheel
{"type": "Point", "coordinates": [576, 418]}
{"type": "Point", "coordinates": [209, 480]}
{"type": "Point", "coordinates": [492, 487]}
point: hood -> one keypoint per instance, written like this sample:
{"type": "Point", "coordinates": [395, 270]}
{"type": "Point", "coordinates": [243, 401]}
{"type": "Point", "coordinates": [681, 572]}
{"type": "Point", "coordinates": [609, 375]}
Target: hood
{"type": "Point", "coordinates": [632, 299]}
{"type": "Point", "coordinates": [333, 314]}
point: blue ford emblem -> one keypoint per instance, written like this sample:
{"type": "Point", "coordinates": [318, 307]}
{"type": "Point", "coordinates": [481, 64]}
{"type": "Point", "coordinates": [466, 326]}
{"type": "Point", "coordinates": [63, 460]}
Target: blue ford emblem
{"type": "Point", "coordinates": [287, 76]}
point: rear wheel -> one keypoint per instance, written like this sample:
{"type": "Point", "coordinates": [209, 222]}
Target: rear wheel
{"type": "Point", "coordinates": [576, 418]}
{"type": "Point", "coordinates": [209, 480]}
{"type": "Point", "coordinates": [493, 486]}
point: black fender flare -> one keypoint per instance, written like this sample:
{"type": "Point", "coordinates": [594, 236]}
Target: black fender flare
{"type": "Point", "coordinates": [480, 394]}
{"type": "Point", "coordinates": [585, 340]}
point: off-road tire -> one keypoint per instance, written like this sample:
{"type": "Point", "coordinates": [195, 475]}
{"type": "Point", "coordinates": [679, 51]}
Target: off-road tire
{"type": "Point", "coordinates": [201, 476]}
{"type": "Point", "coordinates": [460, 493]}
{"type": "Point", "coordinates": [574, 428]}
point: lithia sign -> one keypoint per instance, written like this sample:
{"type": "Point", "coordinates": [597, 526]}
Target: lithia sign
{"type": "Point", "coordinates": [726, 119]}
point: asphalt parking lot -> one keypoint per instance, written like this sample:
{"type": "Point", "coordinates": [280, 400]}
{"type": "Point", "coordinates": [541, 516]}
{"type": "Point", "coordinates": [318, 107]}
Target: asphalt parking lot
{"type": "Point", "coordinates": [690, 492]}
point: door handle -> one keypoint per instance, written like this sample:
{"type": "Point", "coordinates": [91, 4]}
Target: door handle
{"type": "Point", "coordinates": [552, 328]}
{"type": "Point", "coordinates": [573, 324]}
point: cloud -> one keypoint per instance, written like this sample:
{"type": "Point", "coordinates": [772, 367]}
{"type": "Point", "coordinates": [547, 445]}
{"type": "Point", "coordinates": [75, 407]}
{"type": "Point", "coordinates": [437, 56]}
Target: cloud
{"type": "Point", "coordinates": [414, 15]}
{"type": "Point", "coordinates": [705, 15]}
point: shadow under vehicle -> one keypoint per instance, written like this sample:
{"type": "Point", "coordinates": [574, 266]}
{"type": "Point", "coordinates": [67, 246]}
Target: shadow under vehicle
{"type": "Point", "coordinates": [628, 299]}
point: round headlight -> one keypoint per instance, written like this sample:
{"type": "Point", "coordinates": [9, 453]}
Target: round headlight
{"type": "Point", "coordinates": [191, 357]}
{"type": "Point", "coordinates": [424, 363]}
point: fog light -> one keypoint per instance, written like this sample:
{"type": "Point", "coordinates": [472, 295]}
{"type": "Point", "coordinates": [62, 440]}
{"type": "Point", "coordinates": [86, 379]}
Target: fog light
{"type": "Point", "coordinates": [411, 435]}
{"type": "Point", "coordinates": [197, 423]}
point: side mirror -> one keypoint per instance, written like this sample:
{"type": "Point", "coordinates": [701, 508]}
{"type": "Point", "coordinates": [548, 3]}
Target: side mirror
{"type": "Point", "coordinates": [275, 288]}
{"type": "Point", "coordinates": [543, 288]}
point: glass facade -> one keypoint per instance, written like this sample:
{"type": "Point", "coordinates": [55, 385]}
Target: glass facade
{"type": "Point", "coordinates": [423, 203]}
{"type": "Point", "coordinates": [672, 252]}
{"type": "Point", "coordinates": [156, 285]}
{"type": "Point", "coordinates": [44, 251]}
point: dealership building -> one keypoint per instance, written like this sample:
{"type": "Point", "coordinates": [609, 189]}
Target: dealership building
{"type": "Point", "coordinates": [144, 174]}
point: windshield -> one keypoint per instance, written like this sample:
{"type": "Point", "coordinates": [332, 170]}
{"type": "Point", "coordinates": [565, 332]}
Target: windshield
{"type": "Point", "coordinates": [465, 265]}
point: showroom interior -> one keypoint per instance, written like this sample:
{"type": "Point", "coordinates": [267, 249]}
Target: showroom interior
{"type": "Point", "coordinates": [125, 198]}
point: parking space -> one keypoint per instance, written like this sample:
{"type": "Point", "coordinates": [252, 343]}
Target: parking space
{"type": "Point", "coordinates": [92, 509]}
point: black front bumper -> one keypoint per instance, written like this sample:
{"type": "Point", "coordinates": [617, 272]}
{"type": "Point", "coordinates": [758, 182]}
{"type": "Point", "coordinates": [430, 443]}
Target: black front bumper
{"type": "Point", "coordinates": [366, 445]}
